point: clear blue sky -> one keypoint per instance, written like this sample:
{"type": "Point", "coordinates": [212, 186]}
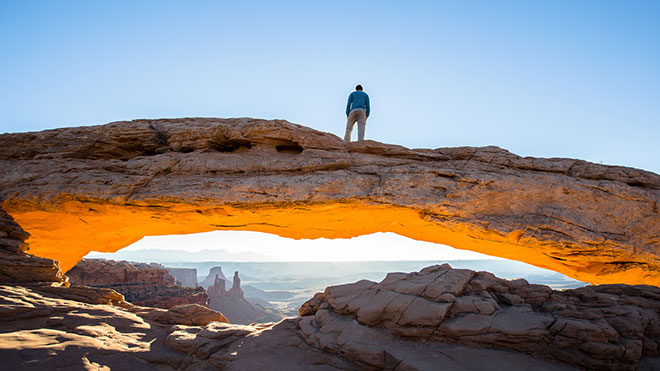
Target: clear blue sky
{"type": "Point", "coordinates": [576, 79]}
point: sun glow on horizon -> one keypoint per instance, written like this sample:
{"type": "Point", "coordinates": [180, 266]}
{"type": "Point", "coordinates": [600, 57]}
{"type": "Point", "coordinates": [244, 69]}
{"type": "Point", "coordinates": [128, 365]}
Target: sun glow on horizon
{"type": "Point", "coordinates": [258, 246]}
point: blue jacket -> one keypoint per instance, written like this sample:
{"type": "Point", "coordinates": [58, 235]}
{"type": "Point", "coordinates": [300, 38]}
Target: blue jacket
{"type": "Point", "coordinates": [357, 99]}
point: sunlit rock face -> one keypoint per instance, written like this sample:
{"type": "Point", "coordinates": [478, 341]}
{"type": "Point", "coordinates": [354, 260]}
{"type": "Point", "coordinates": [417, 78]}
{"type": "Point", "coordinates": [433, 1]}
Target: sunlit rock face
{"type": "Point", "coordinates": [18, 267]}
{"type": "Point", "coordinates": [101, 188]}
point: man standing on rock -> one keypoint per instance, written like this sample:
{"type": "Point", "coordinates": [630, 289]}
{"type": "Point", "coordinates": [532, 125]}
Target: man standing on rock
{"type": "Point", "coordinates": [357, 109]}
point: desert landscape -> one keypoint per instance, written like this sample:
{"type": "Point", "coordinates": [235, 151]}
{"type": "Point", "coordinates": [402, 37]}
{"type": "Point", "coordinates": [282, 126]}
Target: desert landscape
{"type": "Point", "coordinates": [67, 192]}
{"type": "Point", "coordinates": [329, 185]}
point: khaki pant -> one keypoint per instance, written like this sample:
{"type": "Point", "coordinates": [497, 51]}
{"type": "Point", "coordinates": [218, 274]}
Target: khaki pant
{"type": "Point", "coordinates": [361, 117]}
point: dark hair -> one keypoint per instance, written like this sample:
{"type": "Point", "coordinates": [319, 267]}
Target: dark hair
{"type": "Point", "coordinates": [358, 87]}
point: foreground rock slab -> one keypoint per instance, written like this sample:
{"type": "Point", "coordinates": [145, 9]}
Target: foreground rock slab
{"type": "Point", "coordinates": [43, 327]}
{"type": "Point", "coordinates": [438, 318]}
{"type": "Point", "coordinates": [607, 327]}
{"type": "Point", "coordinates": [104, 187]}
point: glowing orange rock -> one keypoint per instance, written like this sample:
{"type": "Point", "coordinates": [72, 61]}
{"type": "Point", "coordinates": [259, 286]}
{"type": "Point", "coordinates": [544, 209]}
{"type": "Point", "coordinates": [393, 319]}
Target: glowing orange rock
{"type": "Point", "coordinates": [101, 188]}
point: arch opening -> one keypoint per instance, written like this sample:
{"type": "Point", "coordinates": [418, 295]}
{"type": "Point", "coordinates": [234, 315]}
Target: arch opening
{"type": "Point", "coordinates": [76, 227]}
{"type": "Point", "coordinates": [386, 250]}
{"type": "Point", "coordinates": [274, 276]}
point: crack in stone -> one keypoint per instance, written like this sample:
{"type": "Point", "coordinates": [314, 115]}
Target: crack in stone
{"type": "Point", "coordinates": [540, 229]}
{"type": "Point", "coordinates": [450, 357]}
{"type": "Point", "coordinates": [554, 257]}
{"type": "Point", "coordinates": [468, 160]}
{"type": "Point", "coordinates": [403, 311]}
{"type": "Point", "coordinates": [386, 305]}
{"type": "Point", "coordinates": [244, 225]}
{"type": "Point", "coordinates": [423, 293]}
{"type": "Point", "coordinates": [142, 184]}
{"type": "Point", "coordinates": [568, 171]}
{"type": "Point", "coordinates": [578, 226]}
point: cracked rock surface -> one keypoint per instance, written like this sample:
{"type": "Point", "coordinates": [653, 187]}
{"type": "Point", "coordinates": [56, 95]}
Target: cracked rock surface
{"type": "Point", "coordinates": [607, 327]}
{"type": "Point", "coordinates": [103, 187]}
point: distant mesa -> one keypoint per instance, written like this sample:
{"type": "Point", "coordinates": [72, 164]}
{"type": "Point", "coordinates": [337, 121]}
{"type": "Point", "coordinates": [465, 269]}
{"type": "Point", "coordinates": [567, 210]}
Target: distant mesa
{"type": "Point", "coordinates": [153, 285]}
{"type": "Point", "coordinates": [185, 276]}
{"type": "Point", "coordinates": [141, 284]}
{"type": "Point", "coordinates": [211, 277]}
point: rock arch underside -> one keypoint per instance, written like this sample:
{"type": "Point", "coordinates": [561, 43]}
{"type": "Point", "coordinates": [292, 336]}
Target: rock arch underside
{"type": "Point", "coordinates": [101, 188]}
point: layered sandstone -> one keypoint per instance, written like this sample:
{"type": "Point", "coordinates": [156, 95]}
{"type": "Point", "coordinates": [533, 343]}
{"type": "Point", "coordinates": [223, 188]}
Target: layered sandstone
{"type": "Point", "coordinates": [19, 267]}
{"type": "Point", "coordinates": [141, 284]}
{"type": "Point", "coordinates": [104, 187]}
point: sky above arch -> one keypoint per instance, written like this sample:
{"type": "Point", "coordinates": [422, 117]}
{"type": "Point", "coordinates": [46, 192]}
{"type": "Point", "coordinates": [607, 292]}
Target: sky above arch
{"type": "Point", "coordinates": [577, 79]}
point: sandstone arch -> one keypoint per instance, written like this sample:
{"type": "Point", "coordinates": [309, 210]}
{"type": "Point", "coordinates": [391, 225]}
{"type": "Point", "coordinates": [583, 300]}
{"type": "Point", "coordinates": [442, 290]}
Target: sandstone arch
{"type": "Point", "coordinates": [103, 187]}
